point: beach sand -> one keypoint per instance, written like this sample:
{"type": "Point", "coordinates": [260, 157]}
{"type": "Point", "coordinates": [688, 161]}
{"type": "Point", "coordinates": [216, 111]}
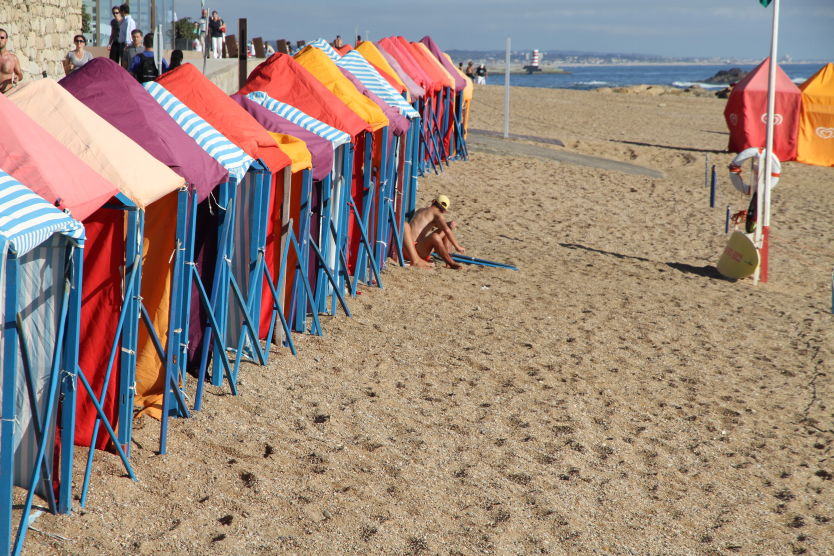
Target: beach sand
{"type": "Point", "coordinates": [612, 396]}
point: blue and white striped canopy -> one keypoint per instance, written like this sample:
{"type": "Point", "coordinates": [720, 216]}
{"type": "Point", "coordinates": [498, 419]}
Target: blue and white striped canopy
{"type": "Point", "coordinates": [27, 220]}
{"type": "Point", "coordinates": [356, 64]}
{"type": "Point", "coordinates": [227, 154]}
{"type": "Point", "coordinates": [299, 118]}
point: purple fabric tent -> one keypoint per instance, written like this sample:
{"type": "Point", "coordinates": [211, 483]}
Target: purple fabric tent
{"type": "Point", "coordinates": [115, 95]}
{"type": "Point", "coordinates": [321, 149]}
{"type": "Point", "coordinates": [460, 82]}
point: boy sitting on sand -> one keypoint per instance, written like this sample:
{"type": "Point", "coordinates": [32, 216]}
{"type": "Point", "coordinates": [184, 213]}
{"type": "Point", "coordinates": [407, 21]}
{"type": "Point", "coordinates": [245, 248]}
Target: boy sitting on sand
{"type": "Point", "coordinates": [427, 231]}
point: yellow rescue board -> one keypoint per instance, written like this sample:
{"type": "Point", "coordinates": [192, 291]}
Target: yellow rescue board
{"type": "Point", "coordinates": [740, 258]}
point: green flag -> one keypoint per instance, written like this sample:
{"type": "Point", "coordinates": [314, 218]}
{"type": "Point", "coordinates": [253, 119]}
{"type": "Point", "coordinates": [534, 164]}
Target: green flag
{"type": "Point", "coordinates": [765, 3]}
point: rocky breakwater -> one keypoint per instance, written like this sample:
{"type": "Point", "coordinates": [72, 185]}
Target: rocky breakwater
{"type": "Point", "coordinates": [658, 90]}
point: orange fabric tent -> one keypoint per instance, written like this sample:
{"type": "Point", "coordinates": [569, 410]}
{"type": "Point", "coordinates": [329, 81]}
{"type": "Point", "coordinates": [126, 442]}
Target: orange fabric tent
{"type": "Point", "coordinates": [815, 142]}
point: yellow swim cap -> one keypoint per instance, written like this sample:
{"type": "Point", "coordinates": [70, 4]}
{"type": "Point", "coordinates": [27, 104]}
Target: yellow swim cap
{"type": "Point", "coordinates": [443, 202]}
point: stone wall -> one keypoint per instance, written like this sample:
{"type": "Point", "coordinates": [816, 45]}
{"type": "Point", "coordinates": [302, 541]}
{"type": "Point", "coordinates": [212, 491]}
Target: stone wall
{"type": "Point", "coordinates": [40, 33]}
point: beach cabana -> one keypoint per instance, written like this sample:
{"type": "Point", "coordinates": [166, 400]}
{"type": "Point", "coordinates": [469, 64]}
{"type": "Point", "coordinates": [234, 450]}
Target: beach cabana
{"type": "Point", "coordinates": [153, 187]}
{"type": "Point", "coordinates": [446, 101]}
{"type": "Point", "coordinates": [259, 202]}
{"type": "Point", "coordinates": [327, 206]}
{"type": "Point", "coordinates": [815, 142]}
{"type": "Point", "coordinates": [746, 112]}
{"type": "Point", "coordinates": [285, 80]}
{"type": "Point", "coordinates": [404, 120]}
{"type": "Point", "coordinates": [109, 311]}
{"type": "Point", "coordinates": [305, 198]}
{"type": "Point", "coordinates": [467, 97]}
{"type": "Point", "coordinates": [213, 252]}
{"type": "Point", "coordinates": [391, 67]}
{"type": "Point", "coordinates": [459, 90]}
{"type": "Point", "coordinates": [138, 116]}
{"type": "Point", "coordinates": [365, 184]}
{"type": "Point", "coordinates": [40, 303]}
{"type": "Point", "coordinates": [429, 150]}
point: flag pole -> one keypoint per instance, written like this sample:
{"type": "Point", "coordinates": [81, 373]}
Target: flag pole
{"type": "Point", "coordinates": [763, 230]}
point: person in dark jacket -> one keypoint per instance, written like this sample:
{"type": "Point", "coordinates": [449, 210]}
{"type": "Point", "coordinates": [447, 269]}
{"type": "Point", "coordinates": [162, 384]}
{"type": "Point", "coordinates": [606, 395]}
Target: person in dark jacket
{"type": "Point", "coordinates": [143, 66]}
{"type": "Point", "coordinates": [113, 45]}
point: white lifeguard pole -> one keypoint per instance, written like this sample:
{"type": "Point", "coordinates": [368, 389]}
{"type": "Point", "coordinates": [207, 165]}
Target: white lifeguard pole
{"type": "Point", "coordinates": [507, 91]}
{"type": "Point", "coordinates": [761, 237]}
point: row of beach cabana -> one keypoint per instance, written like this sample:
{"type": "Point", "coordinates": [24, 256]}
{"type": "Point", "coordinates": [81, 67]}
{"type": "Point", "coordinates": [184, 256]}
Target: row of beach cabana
{"type": "Point", "coordinates": [163, 233]}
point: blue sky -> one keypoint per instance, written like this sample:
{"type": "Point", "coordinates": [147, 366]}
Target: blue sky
{"type": "Point", "coordinates": [679, 28]}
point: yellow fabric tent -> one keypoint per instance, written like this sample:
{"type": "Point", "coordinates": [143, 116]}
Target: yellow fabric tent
{"type": "Point", "coordinates": [375, 57]}
{"type": "Point", "coordinates": [296, 149]}
{"type": "Point", "coordinates": [467, 97]}
{"type": "Point", "coordinates": [328, 73]}
{"type": "Point", "coordinates": [815, 143]}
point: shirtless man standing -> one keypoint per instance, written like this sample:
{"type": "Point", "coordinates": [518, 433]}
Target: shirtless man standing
{"type": "Point", "coordinates": [427, 231]}
{"type": "Point", "coordinates": [10, 72]}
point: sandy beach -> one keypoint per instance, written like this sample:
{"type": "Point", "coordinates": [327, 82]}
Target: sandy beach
{"type": "Point", "coordinates": [612, 396]}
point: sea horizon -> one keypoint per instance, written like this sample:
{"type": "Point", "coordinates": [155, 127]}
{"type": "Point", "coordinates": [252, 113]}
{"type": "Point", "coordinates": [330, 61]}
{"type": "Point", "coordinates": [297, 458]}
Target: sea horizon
{"type": "Point", "coordinates": [595, 76]}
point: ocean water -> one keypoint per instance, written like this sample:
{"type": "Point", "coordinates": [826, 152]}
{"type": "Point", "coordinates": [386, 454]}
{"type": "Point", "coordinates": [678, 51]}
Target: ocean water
{"type": "Point", "coordinates": [594, 77]}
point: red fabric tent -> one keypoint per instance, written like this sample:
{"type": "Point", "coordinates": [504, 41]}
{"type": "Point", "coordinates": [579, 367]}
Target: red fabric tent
{"type": "Point", "coordinates": [284, 79]}
{"type": "Point", "coordinates": [746, 113]}
{"type": "Point", "coordinates": [33, 156]}
{"type": "Point", "coordinates": [209, 102]}
{"type": "Point", "coordinates": [406, 60]}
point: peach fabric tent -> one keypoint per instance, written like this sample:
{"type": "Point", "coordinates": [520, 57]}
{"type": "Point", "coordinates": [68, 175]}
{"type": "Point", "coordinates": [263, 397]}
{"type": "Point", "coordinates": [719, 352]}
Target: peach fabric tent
{"type": "Point", "coordinates": [815, 142]}
{"type": "Point", "coordinates": [145, 180]}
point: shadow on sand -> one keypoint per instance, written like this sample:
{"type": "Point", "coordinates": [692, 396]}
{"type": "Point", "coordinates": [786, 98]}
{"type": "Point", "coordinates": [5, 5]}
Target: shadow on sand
{"type": "Point", "coordinates": [670, 147]}
{"type": "Point", "coordinates": [707, 271]}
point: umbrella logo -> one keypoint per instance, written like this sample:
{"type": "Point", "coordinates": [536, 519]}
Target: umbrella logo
{"type": "Point", "coordinates": [825, 132]}
{"type": "Point", "coordinates": [777, 118]}
{"type": "Point", "coordinates": [733, 119]}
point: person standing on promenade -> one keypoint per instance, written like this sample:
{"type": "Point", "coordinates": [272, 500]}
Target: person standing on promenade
{"type": "Point", "coordinates": [427, 232]}
{"type": "Point", "coordinates": [215, 26]}
{"type": "Point", "coordinates": [133, 49]}
{"type": "Point", "coordinates": [126, 28]}
{"type": "Point", "coordinates": [143, 65]}
{"type": "Point", "coordinates": [113, 45]}
{"type": "Point", "coordinates": [78, 57]}
{"type": "Point", "coordinates": [202, 29]}
{"type": "Point", "coordinates": [481, 75]}
{"type": "Point", "coordinates": [10, 72]}
{"type": "Point", "coordinates": [470, 70]}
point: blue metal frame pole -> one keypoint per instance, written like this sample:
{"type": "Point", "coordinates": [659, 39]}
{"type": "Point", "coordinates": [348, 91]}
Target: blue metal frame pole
{"type": "Point", "coordinates": [69, 381]}
{"type": "Point", "coordinates": [7, 425]}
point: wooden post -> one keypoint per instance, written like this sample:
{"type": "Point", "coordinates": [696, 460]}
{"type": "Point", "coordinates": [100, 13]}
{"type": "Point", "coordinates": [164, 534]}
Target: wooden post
{"type": "Point", "coordinates": [242, 53]}
{"type": "Point", "coordinates": [152, 25]}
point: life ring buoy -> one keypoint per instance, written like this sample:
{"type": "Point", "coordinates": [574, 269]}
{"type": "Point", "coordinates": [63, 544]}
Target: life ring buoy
{"type": "Point", "coordinates": [758, 162]}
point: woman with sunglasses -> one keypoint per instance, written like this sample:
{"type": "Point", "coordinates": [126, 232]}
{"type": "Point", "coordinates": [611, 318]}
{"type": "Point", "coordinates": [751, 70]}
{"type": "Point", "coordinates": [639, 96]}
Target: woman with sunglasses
{"type": "Point", "coordinates": [78, 57]}
{"type": "Point", "coordinates": [113, 45]}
